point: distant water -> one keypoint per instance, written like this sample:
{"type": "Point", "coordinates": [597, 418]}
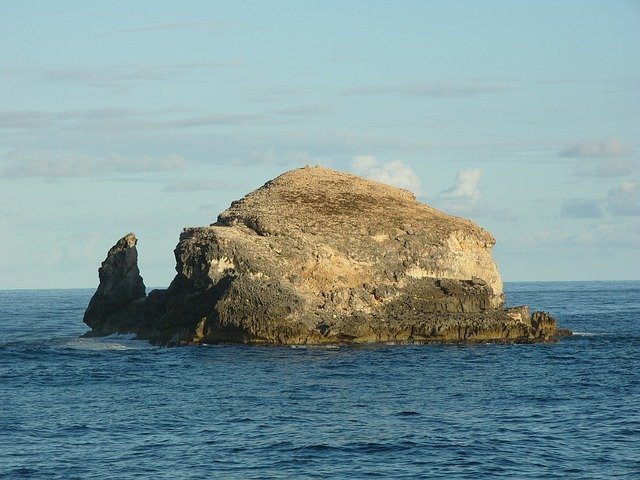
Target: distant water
{"type": "Point", "coordinates": [116, 408]}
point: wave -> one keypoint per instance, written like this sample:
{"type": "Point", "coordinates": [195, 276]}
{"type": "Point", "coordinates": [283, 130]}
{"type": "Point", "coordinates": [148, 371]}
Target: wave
{"type": "Point", "coordinates": [584, 334]}
{"type": "Point", "coordinates": [112, 342]}
{"type": "Point", "coordinates": [327, 346]}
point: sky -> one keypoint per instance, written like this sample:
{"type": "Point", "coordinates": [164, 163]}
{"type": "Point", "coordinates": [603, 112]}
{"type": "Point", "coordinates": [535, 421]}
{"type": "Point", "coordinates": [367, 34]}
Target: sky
{"type": "Point", "coordinates": [150, 116]}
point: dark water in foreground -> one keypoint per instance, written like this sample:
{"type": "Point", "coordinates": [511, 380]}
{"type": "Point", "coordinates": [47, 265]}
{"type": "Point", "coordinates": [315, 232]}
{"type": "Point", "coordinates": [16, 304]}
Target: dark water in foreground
{"type": "Point", "coordinates": [117, 408]}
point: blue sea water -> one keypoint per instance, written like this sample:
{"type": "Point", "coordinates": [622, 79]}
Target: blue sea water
{"type": "Point", "coordinates": [116, 408]}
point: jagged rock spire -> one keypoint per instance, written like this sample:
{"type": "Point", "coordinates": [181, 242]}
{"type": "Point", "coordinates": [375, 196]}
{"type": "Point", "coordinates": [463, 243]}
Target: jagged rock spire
{"type": "Point", "coordinates": [120, 282]}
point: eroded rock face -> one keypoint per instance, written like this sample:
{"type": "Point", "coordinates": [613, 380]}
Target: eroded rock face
{"type": "Point", "coordinates": [319, 256]}
{"type": "Point", "coordinates": [120, 285]}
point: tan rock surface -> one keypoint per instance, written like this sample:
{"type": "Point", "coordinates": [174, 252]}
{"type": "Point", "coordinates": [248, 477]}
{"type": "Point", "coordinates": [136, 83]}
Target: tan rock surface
{"type": "Point", "coordinates": [319, 256]}
{"type": "Point", "coordinates": [352, 224]}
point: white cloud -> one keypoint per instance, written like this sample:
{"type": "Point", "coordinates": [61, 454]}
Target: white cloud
{"type": "Point", "coordinates": [608, 147]}
{"type": "Point", "coordinates": [57, 165]}
{"type": "Point", "coordinates": [364, 163]}
{"type": "Point", "coordinates": [464, 198]}
{"type": "Point", "coordinates": [395, 172]}
{"type": "Point", "coordinates": [625, 200]}
{"type": "Point", "coordinates": [465, 192]}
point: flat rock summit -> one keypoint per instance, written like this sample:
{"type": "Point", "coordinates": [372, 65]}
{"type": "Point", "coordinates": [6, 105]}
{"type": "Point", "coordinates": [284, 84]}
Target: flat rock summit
{"type": "Point", "coordinates": [317, 256]}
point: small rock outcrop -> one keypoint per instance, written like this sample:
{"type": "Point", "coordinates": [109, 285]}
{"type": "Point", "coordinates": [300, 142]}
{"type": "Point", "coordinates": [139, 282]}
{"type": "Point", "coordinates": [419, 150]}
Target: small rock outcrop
{"type": "Point", "coordinates": [120, 286]}
{"type": "Point", "coordinates": [318, 256]}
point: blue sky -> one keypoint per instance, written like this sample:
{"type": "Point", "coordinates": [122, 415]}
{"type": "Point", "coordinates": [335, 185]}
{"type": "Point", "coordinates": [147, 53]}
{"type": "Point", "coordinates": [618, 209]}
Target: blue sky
{"type": "Point", "coordinates": [149, 116]}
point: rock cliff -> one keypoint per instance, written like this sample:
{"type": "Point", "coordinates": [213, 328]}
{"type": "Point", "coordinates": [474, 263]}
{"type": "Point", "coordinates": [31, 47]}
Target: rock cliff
{"type": "Point", "coordinates": [318, 256]}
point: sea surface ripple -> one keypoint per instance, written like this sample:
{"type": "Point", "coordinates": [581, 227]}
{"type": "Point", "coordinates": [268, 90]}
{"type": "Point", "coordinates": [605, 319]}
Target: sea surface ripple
{"type": "Point", "coordinates": [116, 408]}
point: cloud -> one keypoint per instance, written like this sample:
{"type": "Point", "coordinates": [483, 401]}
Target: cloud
{"type": "Point", "coordinates": [216, 119]}
{"type": "Point", "coordinates": [580, 208]}
{"type": "Point", "coordinates": [61, 165]}
{"type": "Point", "coordinates": [210, 208]}
{"type": "Point", "coordinates": [625, 200]}
{"type": "Point", "coordinates": [305, 110]}
{"type": "Point", "coordinates": [29, 119]}
{"type": "Point", "coordinates": [607, 168]}
{"type": "Point", "coordinates": [609, 147]}
{"type": "Point", "coordinates": [118, 163]}
{"type": "Point", "coordinates": [621, 201]}
{"type": "Point", "coordinates": [124, 76]}
{"type": "Point", "coordinates": [465, 192]}
{"type": "Point", "coordinates": [394, 173]}
{"type": "Point", "coordinates": [270, 157]}
{"type": "Point", "coordinates": [437, 90]}
{"type": "Point", "coordinates": [464, 197]}
{"type": "Point", "coordinates": [364, 163]}
{"type": "Point", "coordinates": [279, 94]}
{"type": "Point", "coordinates": [200, 185]}
{"type": "Point", "coordinates": [41, 119]}
{"type": "Point", "coordinates": [115, 119]}
{"type": "Point", "coordinates": [70, 251]}
{"type": "Point", "coordinates": [175, 26]}
{"type": "Point", "coordinates": [606, 234]}
{"type": "Point", "coordinates": [500, 214]}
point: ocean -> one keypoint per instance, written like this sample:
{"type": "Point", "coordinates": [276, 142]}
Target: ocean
{"type": "Point", "coordinates": [118, 408]}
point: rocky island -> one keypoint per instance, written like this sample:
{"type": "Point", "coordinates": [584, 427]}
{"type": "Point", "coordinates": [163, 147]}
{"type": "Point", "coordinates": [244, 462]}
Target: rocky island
{"type": "Point", "coordinates": [317, 256]}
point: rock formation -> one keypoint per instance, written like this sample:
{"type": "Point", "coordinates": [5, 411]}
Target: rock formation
{"type": "Point", "coordinates": [120, 286]}
{"type": "Point", "coordinates": [318, 256]}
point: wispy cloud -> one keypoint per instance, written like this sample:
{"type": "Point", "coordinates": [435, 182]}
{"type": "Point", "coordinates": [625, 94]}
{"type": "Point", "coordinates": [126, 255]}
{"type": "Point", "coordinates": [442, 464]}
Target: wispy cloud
{"type": "Point", "coordinates": [70, 250]}
{"type": "Point", "coordinates": [200, 185]}
{"type": "Point", "coordinates": [621, 201]}
{"type": "Point", "coordinates": [271, 157]}
{"type": "Point", "coordinates": [210, 208]}
{"type": "Point", "coordinates": [625, 199]}
{"type": "Point", "coordinates": [608, 147]}
{"type": "Point", "coordinates": [580, 208]}
{"type": "Point", "coordinates": [24, 119]}
{"type": "Point", "coordinates": [121, 77]}
{"type": "Point", "coordinates": [38, 119]}
{"type": "Point", "coordinates": [607, 168]}
{"type": "Point", "coordinates": [216, 119]}
{"type": "Point", "coordinates": [279, 94]}
{"type": "Point", "coordinates": [176, 26]}
{"type": "Point", "coordinates": [395, 172]}
{"type": "Point", "coordinates": [443, 89]}
{"type": "Point", "coordinates": [503, 214]}
{"type": "Point", "coordinates": [305, 110]}
{"type": "Point", "coordinates": [607, 234]}
{"type": "Point", "coordinates": [121, 119]}
{"type": "Point", "coordinates": [65, 164]}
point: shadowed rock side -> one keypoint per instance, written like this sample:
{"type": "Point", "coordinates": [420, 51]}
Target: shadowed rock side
{"type": "Point", "coordinates": [120, 286]}
{"type": "Point", "coordinates": [318, 256]}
